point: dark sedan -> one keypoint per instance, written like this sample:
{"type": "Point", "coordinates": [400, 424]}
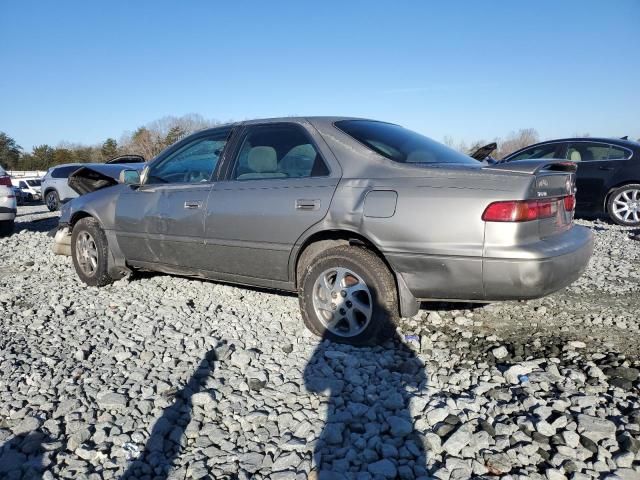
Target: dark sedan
{"type": "Point", "coordinates": [608, 177]}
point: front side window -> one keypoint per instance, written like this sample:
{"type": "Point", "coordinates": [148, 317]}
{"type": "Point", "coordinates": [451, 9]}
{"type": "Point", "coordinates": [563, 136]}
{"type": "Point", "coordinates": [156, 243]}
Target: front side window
{"type": "Point", "coordinates": [279, 151]}
{"type": "Point", "coordinates": [587, 152]}
{"type": "Point", "coordinates": [539, 151]}
{"type": "Point", "coordinates": [401, 145]}
{"type": "Point", "coordinates": [23, 185]}
{"type": "Point", "coordinates": [195, 162]}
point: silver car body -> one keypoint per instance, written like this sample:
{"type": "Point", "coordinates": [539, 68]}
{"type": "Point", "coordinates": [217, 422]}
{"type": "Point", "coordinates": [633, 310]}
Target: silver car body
{"type": "Point", "coordinates": [424, 220]}
{"type": "Point", "coordinates": [8, 206]}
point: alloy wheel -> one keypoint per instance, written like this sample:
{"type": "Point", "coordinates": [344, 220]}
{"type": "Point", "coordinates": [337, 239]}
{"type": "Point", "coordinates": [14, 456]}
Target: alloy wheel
{"type": "Point", "coordinates": [626, 205]}
{"type": "Point", "coordinates": [51, 201]}
{"type": "Point", "coordinates": [342, 301]}
{"type": "Point", "coordinates": [87, 253]}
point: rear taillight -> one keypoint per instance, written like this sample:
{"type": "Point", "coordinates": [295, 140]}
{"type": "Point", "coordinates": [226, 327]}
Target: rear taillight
{"type": "Point", "coordinates": [525, 210]}
{"type": "Point", "coordinates": [570, 203]}
{"type": "Point", "coordinates": [6, 181]}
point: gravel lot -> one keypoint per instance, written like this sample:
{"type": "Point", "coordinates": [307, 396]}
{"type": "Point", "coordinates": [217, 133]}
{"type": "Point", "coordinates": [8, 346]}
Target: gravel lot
{"type": "Point", "coordinates": [166, 377]}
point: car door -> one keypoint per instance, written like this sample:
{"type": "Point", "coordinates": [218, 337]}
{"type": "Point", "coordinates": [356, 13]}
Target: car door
{"type": "Point", "coordinates": [595, 170]}
{"type": "Point", "coordinates": [278, 185]}
{"type": "Point", "coordinates": [162, 221]}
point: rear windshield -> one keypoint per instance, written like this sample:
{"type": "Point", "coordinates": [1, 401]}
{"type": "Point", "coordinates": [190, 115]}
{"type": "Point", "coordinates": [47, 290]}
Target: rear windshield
{"type": "Point", "coordinates": [401, 145]}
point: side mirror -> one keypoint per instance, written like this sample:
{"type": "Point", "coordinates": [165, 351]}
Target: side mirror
{"type": "Point", "coordinates": [129, 177]}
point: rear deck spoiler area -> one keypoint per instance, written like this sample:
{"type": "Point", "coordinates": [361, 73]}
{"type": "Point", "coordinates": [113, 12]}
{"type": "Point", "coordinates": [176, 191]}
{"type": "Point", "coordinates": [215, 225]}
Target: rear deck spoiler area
{"type": "Point", "coordinates": [532, 167]}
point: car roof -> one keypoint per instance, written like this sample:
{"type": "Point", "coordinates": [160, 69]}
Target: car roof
{"type": "Point", "coordinates": [612, 140]}
{"type": "Point", "coordinates": [296, 119]}
{"type": "Point", "coordinates": [65, 165]}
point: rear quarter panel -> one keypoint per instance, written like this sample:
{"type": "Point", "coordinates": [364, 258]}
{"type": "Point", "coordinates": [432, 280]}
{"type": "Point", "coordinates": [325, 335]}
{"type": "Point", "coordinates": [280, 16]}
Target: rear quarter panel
{"type": "Point", "coordinates": [435, 235]}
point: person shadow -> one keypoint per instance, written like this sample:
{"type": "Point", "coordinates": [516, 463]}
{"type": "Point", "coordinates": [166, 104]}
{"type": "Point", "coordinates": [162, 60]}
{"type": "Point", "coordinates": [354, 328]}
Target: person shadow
{"type": "Point", "coordinates": [369, 430]}
{"type": "Point", "coordinates": [165, 441]}
{"type": "Point", "coordinates": [25, 456]}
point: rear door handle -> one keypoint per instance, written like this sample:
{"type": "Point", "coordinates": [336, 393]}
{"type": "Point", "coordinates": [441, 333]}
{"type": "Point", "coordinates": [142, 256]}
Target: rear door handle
{"type": "Point", "coordinates": [192, 205]}
{"type": "Point", "coordinates": [306, 204]}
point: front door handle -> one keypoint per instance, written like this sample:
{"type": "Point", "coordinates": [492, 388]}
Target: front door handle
{"type": "Point", "coordinates": [307, 204]}
{"type": "Point", "coordinates": [192, 205]}
{"type": "Point", "coordinates": [605, 168]}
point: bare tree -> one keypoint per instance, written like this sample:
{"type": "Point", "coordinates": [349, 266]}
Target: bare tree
{"type": "Point", "coordinates": [517, 140]}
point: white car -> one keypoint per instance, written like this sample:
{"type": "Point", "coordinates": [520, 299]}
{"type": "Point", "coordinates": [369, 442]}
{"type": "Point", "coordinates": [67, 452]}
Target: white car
{"type": "Point", "coordinates": [8, 207]}
{"type": "Point", "coordinates": [29, 186]}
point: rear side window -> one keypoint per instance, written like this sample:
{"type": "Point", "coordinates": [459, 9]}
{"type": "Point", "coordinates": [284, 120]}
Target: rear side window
{"type": "Point", "coordinates": [539, 151]}
{"type": "Point", "coordinates": [278, 151]}
{"type": "Point", "coordinates": [64, 172]}
{"type": "Point", "coordinates": [401, 145]}
{"type": "Point", "coordinates": [618, 153]}
{"type": "Point", "coordinates": [591, 152]}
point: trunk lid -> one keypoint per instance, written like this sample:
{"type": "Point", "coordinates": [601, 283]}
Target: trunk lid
{"type": "Point", "coordinates": [552, 186]}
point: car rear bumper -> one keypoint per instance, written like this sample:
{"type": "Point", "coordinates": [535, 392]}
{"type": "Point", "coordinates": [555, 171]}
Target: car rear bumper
{"type": "Point", "coordinates": [7, 213]}
{"type": "Point", "coordinates": [539, 269]}
{"type": "Point", "coordinates": [508, 273]}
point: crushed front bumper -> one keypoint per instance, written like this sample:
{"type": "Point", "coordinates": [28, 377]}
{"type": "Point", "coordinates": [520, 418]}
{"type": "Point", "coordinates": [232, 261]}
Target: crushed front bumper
{"type": "Point", "coordinates": [62, 241]}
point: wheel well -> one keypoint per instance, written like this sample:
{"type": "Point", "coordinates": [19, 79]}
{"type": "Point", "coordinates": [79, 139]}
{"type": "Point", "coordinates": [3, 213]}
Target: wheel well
{"type": "Point", "coordinates": [615, 187]}
{"type": "Point", "coordinates": [77, 217]}
{"type": "Point", "coordinates": [50, 189]}
{"type": "Point", "coordinates": [321, 241]}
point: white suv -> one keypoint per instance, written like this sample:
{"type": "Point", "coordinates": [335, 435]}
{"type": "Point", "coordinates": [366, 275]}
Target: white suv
{"type": "Point", "coordinates": [55, 189]}
{"type": "Point", "coordinates": [8, 207]}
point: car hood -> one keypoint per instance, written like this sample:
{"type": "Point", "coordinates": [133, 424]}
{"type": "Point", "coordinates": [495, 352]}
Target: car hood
{"type": "Point", "coordinates": [89, 178]}
{"type": "Point", "coordinates": [483, 152]}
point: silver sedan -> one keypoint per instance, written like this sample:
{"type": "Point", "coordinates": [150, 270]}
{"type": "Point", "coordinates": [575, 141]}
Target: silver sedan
{"type": "Point", "coordinates": [363, 219]}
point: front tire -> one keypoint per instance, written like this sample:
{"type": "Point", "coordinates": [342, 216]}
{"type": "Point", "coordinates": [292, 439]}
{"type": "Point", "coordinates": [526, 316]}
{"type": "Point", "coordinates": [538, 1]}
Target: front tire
{"type": "Point", "coordinates": [623, 205]}
{"type": "Point", "coordinates": [52, 200]}
{"type": "Point", "coordinates": [89, 250]}
{"type": "Point", "coordinates": [348, 295]}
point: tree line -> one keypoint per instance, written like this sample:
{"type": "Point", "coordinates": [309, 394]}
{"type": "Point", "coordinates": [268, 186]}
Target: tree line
{"type": "Point", "coordinates": [150, 139]}
{"type": "Point", "coordinates": [147, 140]}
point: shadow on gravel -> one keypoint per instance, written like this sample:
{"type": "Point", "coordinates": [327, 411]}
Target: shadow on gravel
{"type": "Point", "coordinates": [164, 444]}
{"type": "Point", "coordinates": [369, 427]}
{"type": "Point", "coordinates": [25, 456]}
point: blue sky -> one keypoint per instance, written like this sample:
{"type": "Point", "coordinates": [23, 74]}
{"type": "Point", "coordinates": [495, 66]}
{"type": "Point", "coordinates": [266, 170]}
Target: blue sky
{"type": "Point", "coordinates": [84, 71]}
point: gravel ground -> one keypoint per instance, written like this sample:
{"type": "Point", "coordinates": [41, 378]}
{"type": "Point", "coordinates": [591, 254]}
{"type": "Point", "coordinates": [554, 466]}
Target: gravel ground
{"type": "Point", "coordinates": [166, 377]}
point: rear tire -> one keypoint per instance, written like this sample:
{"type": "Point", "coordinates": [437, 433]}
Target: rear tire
{"type": "Point", "coordinates": [52, 200]}
{"type": "Point", "coordinates": [623, 205]}
{"type": "Point", "coordinates": [90, 251]}
{"type": "Point", "coordinates": [6, 227]}
{"type": "Point", "coordinates": [348, 295]}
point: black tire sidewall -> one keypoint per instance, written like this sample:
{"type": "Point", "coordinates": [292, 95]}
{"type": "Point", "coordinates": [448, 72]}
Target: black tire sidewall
{"type": "Point", "coordinates": [610, 205]}
{"type": "Point", "coordinates": [101, 276]}
{"type": "Point", "coordinates": [381, 286]}
{"type": "Point", "coordinates": [57, 202]}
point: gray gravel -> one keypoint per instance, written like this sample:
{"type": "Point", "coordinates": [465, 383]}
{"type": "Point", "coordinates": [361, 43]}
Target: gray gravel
{"type": "Point", "coordinates": [166, 377]}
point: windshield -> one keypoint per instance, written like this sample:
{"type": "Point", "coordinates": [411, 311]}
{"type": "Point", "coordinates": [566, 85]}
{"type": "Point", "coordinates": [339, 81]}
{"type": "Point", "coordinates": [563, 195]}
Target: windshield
{"type": "Point", "coordinates": [401, 145]}
{"type": "Point", "coordinates": [34, 183]}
